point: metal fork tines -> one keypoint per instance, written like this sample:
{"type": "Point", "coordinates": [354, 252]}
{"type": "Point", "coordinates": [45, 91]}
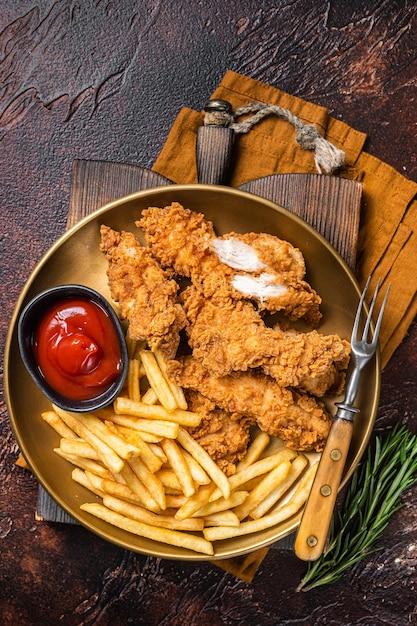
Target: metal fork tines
{"type": "Point", "coordinates": [363, 348]}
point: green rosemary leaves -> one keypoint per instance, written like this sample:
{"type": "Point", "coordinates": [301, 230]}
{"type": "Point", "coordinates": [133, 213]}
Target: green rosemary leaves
{"type": "Point", "coordinates": [372, 497]}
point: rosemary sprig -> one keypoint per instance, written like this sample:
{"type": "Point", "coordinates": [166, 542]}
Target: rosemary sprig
{"type": "Point", "coordinates": [371, 499]}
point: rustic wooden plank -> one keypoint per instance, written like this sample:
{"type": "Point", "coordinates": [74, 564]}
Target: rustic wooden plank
{"type": "Point", "coordinates": [329, 203]}
{"type": "Point", "coordinates": [95, 183]}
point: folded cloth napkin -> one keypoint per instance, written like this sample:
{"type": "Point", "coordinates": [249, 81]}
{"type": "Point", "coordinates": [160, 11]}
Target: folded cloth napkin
{"type": "Point", "coordinates": [387, 245]}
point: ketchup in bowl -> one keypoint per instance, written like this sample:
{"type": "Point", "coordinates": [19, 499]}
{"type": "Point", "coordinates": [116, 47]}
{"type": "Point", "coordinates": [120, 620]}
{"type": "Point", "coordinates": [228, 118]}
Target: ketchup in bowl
{"type": "Point", "coordinates": [77, 349]}
{"type": "Point", "coordinates": [73, 346]}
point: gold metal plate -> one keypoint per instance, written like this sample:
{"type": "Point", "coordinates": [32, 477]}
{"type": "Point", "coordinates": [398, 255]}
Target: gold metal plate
{"type": "Point", "coordinates": [76, 258]}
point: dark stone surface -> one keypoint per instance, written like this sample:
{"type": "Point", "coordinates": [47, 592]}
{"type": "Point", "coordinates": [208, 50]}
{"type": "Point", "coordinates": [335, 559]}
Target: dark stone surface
{"type": "Point", "coordinates": [105, 80]}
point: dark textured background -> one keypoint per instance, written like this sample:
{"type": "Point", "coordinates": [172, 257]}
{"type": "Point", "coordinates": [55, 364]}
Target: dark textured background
{"type": "Point", "coordinates": [105, 80]}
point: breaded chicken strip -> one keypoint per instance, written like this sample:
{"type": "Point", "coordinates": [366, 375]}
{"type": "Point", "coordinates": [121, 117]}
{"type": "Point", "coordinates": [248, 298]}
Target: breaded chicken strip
{"type": "Point", "coordinates": [177, 237]}
{"type": "Point", "coordinates": [301, 421]}
{"type": "Point", "coordinates": [147, 298]}
{"type": "Point", "coordinates": [224, 435]}
{"type": "Point", "coordinates": [254, 266]}
{"type": "Point", "coordinates": [228, 336]}
{"type": "Point", "coordinates": [269, 271]}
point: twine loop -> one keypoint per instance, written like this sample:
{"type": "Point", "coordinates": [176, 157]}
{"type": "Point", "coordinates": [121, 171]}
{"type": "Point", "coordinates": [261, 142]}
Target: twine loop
{"type": "Point", "coordinates": [327, 157]}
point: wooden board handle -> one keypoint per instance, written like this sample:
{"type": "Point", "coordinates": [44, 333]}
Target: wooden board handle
{"type": "Point", "coordinates": [214, 152]}
{"type": "Point", "coordinates": [315, 522]}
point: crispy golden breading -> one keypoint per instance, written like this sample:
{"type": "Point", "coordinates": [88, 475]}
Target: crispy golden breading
{"type": "Point", "coordinates": [177, 237]}
{"type": "Point", "coordinates": [224, 435]}
{"type": "Point", "coordinates": [230, 336]}
{"type": "Point", "coordinates": [147, 298]}
{"type": "Point", "coordinates": [269, 271]}
{"type": "Point", "coordinates": [301, 421]}
{"type": "Point", "coordinates": [258, 267]}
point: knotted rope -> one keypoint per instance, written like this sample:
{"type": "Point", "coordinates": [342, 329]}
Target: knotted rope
{"type": "Point", "coordinates": [327, 157]}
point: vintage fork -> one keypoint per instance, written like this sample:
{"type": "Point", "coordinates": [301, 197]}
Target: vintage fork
{"type": "Point", "coordinates": [315, 522]}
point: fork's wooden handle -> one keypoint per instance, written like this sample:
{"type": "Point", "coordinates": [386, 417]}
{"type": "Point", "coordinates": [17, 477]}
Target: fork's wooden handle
{"type": "Point", "coordinates": [315, 522]}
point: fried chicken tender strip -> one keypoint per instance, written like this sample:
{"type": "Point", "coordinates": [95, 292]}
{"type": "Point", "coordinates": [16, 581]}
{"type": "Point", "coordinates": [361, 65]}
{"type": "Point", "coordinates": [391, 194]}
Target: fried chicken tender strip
{"type": "Point", "coordinates": [146, 296]}
{"type": "Point", "coordinates": [228, 336]}
{"type": "Point", "coordinates": [177, 237]}
{"type": "Point", "coordinates": [253, 266]}
{"type": "Point", "coordinates": [224, 435]}
{"type": "Point", "coordinates": [271, 272]}
{"type": "Point", "coordinates": [301, 421]}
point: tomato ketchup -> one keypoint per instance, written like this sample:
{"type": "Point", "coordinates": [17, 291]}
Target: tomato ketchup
{"type": "Point", "coordinates": [77, 348]}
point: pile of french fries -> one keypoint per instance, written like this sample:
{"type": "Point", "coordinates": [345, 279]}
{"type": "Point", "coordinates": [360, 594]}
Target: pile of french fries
{"type": "Point", "coordinates": [151, 478]}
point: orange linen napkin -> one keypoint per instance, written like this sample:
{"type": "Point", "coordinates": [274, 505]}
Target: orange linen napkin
{"type": "Point", "coordinates": [387, 246]}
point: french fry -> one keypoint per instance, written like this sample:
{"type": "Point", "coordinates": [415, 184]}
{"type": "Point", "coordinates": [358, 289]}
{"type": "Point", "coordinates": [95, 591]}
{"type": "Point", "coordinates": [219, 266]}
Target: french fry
{"type": "Point", "coordinates": [119, 490]}
{"type": "Point", "coordinates": [85, 463]}
{"type": "Point", "coordinates": [195, 502]}
{"type": "Point", "coordinates": [169, 479]}
{"type": "Point", "coordinates": [106, 454]}
{"type": "Point", "coordinates": [275, 477]}
{"type": "Point", "coordinates": [126, 406]}
{"type": "Point", "coordinates": [113, 489]}
{"type": "Point", "coordinates": [157, 380]}
{"type": "Point", "coordinates": [149, 397]}
{"type": "Point", "coordinates": [258, 468]}
{"type": "Point", "coordinates": [136, 485]}
{"type": "Point", "coordinates": [253, 453]}
{"type": "Point", "coordinates": [205, 460]}
{"type": "Point", "coordinates": [96, 482]}
{"type": "Point", "coordinates": [157, 450]}
{"type": "Point", "coordinates": [153, 459]}
{"type": "Point", "coordinates": [77, 447]}
{"type": "Point", "coordinates": [222, 518]}
{"type": "Point", "coordinates": [222, 504]}
{"type": "Point", "coordinates": [170, 491]}
{"type": "Point", "coordinates": [80, 477]}
{"type": "Point", "coordinates": [133, 379]}
{"type": "Point", "coordinates": [53, 419]}
{"type": "Point", "coordinates": [249, 486]}
{"type": "Point", "coordinates": [179, 466]}
{"type": "Point", "coordinates": [199, 475]}
{"type": "Point", "coordinates": [164, 535]}
{"type": "Point", "coordinates": [142, 515]}
{"type": "Point", "coordinates": [297, 467]}
{"type": "Point", "coordinates": [175, 501]}
{"type": "Point", "coordinates": [177, 391]}
{"type": "Point", "coordinates": [291, 508]}
{"type": "Point", "coordinates": [152, 482]}
{"type": "Point", "coordinates": [99, 427]}
{"type": "Point", "coordinates": [149, 437]}
{"type": "Point", "coordinates": [134, 346]}
{"type": "Point", "coordinates": [130, 435]}
{"type": "Point", "coordinates": [160, 428]}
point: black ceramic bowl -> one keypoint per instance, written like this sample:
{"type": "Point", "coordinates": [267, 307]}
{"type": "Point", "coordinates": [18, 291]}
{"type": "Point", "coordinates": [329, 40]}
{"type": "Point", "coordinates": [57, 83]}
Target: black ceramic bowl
{"type": "Point", "coordinates": [27, 326]}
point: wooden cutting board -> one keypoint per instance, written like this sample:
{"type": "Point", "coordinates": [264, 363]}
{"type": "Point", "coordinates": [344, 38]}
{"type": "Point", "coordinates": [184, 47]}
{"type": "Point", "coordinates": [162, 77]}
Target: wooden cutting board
{"type": "Point", "coordinates": [330, 204]}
